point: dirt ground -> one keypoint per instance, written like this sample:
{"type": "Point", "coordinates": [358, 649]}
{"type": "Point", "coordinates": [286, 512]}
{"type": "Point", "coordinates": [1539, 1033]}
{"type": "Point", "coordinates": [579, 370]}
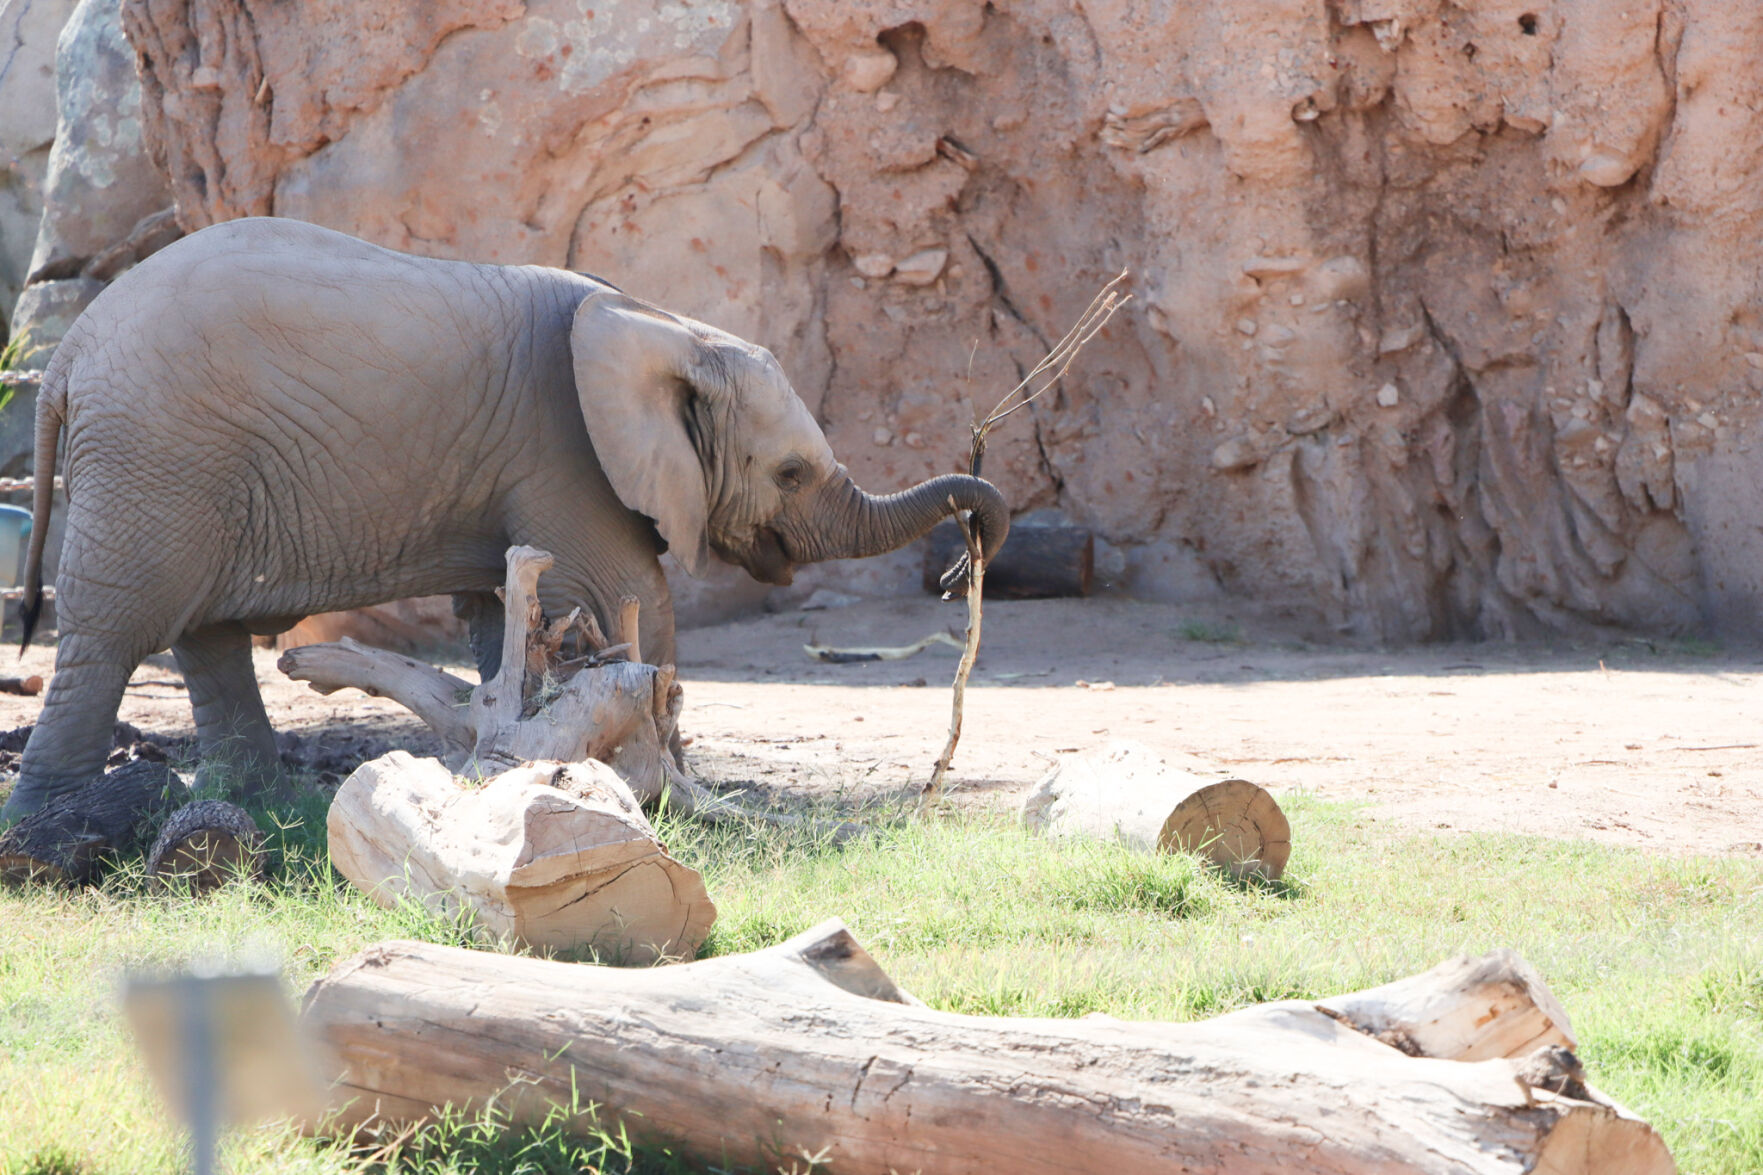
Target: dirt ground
{"type": "Point", "coordinates": [1657, 745]}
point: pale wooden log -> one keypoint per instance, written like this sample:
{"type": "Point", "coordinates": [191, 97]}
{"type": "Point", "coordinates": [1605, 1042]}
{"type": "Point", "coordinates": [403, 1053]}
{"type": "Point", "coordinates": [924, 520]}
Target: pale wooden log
{"type": "Point", "coordinates": [64, 842]}
{"type": "Point", "coordinates": [433, 695]}
{"type": "Point", "coordinates": [1468, 1008]}
{"type": "Point", "coordinates": [549, 855]}
{"type": "Point", "coordinates": [809, 1048]}
{"type": "Point", "coordinates": [204, 845]}
{"type": "Point", "coordinates": [1127, 792]}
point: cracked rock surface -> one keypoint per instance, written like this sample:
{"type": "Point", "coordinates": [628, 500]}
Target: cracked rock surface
{"type": "Point", "coordinates": [1447, 318]}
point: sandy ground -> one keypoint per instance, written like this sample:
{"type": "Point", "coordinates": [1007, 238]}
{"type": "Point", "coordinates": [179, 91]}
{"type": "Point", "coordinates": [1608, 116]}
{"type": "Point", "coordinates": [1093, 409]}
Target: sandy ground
{"type": "Point", "coordinates": [1632, 743]}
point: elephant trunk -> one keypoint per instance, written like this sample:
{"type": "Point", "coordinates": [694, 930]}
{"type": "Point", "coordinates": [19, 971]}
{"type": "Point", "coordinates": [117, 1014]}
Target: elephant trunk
{"type": "Point", "coordinates": [855, 524]}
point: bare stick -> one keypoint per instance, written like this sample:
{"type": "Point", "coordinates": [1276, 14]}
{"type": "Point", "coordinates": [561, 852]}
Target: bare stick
{"type": "Point", "coordinates": [1049, 371]}
{"type": "Point", "coordinates": [627, 627]}
{"type": "Point", "coordinates": [976, 582]}
{"type": "Point", "coordinates": [1057, 361]}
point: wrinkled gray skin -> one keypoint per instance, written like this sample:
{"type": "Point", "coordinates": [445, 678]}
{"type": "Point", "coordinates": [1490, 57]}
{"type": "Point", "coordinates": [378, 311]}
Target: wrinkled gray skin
{"type": "Point", "coordinates": [268, 420]}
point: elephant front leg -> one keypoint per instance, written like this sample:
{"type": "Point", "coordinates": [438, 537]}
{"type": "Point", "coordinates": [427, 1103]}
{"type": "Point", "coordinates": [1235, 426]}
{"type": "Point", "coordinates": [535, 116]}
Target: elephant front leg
{"type": "Point", "coordinates": [233, 734]}
{"type": "Point", "coordinates": [71, 740]}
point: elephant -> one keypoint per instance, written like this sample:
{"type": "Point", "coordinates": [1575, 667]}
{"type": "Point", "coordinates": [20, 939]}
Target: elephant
{"type": "Point", "coordinates": [269, 419]}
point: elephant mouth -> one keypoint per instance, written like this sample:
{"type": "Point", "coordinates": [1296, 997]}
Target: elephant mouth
{"type": "Point", "coordinates": [767, 561]}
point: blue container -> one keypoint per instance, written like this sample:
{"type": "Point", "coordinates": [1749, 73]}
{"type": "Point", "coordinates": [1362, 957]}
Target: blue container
{"type": "Point", "coordinates": [15, 537]}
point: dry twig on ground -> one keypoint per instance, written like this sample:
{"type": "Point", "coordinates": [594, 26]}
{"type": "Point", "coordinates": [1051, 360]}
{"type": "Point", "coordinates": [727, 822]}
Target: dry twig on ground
{"type": "Point", "coordinates": [970, 569]}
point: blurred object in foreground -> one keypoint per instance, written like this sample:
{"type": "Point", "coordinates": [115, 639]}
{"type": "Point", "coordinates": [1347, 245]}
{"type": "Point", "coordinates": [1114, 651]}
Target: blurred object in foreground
{"type": "Point", "coordinates": [224, 1050]}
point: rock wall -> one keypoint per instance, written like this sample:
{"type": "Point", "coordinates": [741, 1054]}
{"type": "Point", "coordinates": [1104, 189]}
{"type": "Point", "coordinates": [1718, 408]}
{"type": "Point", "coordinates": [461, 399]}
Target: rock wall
{"type": "Point", "coordinates": [28, 29]}
{"type": "Point", "coordinates": [104, 206]}
{"type": "Point", "coordinates": [1447, 317]}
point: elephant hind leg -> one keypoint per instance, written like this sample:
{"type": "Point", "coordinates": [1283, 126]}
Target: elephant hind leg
{"type": "Point", "coordinates": [233, 734]}
{"type": "Point", "coordinates": [71, 740]}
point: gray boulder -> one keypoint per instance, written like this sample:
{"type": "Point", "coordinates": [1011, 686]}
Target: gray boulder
{"type": "Point", "coordinates": [104, 204]}
{"type": "Point", "coordinates": [28, 32]}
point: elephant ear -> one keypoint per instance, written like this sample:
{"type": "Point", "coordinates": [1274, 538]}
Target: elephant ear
{"type": "Point", "coordinates": [637, 369]}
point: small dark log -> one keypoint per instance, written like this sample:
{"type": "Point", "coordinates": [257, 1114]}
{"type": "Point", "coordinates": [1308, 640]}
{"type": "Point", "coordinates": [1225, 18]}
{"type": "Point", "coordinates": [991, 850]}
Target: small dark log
{"type": "Point", "coordinates": [63, 842]}
{"type": "Point", "coordinates": [205, 845]}
{"type": "Point", "coordinates": [1038, 562]}
{"type": "Point", "coordinates": [24, 687]}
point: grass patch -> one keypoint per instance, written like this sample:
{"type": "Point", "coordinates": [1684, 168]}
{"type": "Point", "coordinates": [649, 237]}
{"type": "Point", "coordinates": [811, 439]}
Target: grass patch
{"type": "Point", "coordinates": [1659, 961]}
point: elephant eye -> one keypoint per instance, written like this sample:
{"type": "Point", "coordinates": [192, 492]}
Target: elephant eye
{"type": "Point", "coordinates": [789, 475]}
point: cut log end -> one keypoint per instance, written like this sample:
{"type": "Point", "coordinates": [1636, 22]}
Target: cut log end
{"type": "Point", "coordinates": [1128, 792]}
{"type": "Point", "coordinates": [204, 845]}
{"type": "Point", "coordinates": [1234, 824]}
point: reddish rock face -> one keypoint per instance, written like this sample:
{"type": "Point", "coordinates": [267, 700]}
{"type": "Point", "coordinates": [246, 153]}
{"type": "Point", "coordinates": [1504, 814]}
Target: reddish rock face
{"type": "Point", "coordinates": [1447, 322]}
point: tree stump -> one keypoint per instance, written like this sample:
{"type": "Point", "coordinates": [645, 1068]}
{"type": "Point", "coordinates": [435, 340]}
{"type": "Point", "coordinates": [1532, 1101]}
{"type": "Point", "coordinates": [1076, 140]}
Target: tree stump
{"type": "Point", "coordinates": [1128, 793]}
{"type": "Point", "coordinates": [550, 855]}
{"type": "Point", "coordinates": [541, 706]}
{"type": "Point", "coordinates": [810, 1048]}
{"type": "Point", "coordinates": [62, 843]}
{"type": "Point", "coordinates": [533, 827]}
{"type": "Point", "coordinates": [204, 845]}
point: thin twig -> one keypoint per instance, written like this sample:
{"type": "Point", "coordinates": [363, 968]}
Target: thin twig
{"type": "Point", "coordinates": [976, 571]}
{"type": "Point", "coordinates": [1049, 371]}
{"type": "Point", "coordinates": [1093, 319]}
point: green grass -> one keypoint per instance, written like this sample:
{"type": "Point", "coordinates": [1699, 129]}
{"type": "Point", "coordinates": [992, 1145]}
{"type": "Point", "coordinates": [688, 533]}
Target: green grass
{"type": "Point", "coordinates": [1659, 961]}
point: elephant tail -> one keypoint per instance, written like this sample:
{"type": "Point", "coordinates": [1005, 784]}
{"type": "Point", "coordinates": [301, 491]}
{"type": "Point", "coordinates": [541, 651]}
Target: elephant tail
{"type": "Point", "coordinates": [51, 413]}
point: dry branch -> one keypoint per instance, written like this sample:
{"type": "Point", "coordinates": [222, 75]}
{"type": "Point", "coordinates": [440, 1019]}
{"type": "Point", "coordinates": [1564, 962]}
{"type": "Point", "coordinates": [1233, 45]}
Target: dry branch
{"type": "Point", "coordinates": [976, 573]}
{"type": "Point", "coordinates": [969, 572]}
{"type": "Point", "coordinates": [809, 1048]}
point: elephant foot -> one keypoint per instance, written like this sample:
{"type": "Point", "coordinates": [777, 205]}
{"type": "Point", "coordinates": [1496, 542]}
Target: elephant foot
{"type": "Point", "coordinates": [27, 799]}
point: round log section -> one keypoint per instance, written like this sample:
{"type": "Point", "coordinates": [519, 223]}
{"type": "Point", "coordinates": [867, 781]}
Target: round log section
{"type": "Point", "coordinates": [204, 845]}
{"type": "Point", "coordinates": [1131, 794]}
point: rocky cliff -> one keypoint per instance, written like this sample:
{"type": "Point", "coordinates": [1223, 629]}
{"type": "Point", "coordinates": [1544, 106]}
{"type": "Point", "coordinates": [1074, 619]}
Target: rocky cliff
{"type": "Point", "coordinates": [1448, 319]}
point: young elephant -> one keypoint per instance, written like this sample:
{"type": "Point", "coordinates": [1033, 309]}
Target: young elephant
{"type": "Point", "coordinates": [269, 419]}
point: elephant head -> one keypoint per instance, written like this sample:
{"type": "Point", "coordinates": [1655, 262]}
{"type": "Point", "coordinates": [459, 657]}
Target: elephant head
{"type": "Point", "coordinates": [701, 432]}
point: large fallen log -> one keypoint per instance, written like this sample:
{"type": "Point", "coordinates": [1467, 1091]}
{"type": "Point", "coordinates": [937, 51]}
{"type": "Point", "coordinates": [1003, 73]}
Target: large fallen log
{"type": "Point", "coordinates": [548, 855]}
{"type": "Point", "coordinates": [63, 843]}
{"type": "Point", "coordinates": [1128, 792]}
{"type": "Point", "coordinates": [810, 1049]}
